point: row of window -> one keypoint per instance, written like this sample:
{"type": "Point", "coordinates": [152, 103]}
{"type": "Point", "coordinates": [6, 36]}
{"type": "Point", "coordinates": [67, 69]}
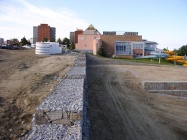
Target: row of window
{"type": "Point", "coordinates": [122, 43]}
{"type": "Point", "coordinates": [139, 46]}
{"type": "Point", "coordinates": [123, 49]}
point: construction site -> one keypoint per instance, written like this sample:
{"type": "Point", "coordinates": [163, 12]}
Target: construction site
{"type": "Point", "coordinates": [78, 96]}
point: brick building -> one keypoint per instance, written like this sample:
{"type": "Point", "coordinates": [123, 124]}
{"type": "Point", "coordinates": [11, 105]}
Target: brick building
{"type": "Point", "coordinates": [128, 45]}
{"type": "Point", "coordinates": [109, 41]}
{"type": "Point", "coordinates": [88, 39]}
{"type": "Point", "coordinates": [78, 32]}
{"type": "Point", "coordinates": [43, 31]}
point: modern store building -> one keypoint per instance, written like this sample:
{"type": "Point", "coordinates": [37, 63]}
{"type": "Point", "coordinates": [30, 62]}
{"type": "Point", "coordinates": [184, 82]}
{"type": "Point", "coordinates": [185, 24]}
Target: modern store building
{"type": "Point", "coordinates": [127, 45]}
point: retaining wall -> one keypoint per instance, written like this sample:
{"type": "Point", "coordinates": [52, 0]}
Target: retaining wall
{"type": "Point", "coordinates": [63, 114]}
{"type": "Point", "coordinates": [173, 88]}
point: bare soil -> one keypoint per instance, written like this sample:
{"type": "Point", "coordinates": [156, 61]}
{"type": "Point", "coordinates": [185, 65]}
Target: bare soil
{"type": "Point", "coordinates": [121, 110]}
{"type": "Point", "coordinates": [25, 80]}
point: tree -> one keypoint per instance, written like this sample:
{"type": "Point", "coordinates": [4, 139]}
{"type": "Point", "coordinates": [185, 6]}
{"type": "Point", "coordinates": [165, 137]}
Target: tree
{"type": "Point", "coordinates": [45, 39]}
{"type": "Point", "coordinates": [165, 49]}
{"type": "Point", "coordinates": [66, 41]}
{"type": "Point", "coordinates": [59, 41]}
{"type": "Point", "coordinates": [101, 51]}
{"type": "Point", "coordinates": [72, 46]}
{"type": "Point", "coordinates": [182, 50]}
{"type": "Point", "coordinates": [24, 41]}
{"type": "Point", "coordinates": [52, 39]}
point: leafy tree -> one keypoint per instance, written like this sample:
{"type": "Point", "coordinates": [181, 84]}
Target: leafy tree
{"type": "Point", "coordinates": [72, 46]}
{"type": "Point", "coordinates": [52, 39]}
{"type": "Point", "coordinates": [45, 39]}
{"type": "Point", "coordinates": [182, 50]}
{"type": "Point", "coordinates": [165, 49]}
{"type": "Point", "coordinates": [59, 41]}
{"type": "Point", "coordinates": [24, 41]}
{"type": "Point", "coordinates": [66, 41]}
{"type": "Point", "coordinates": [101, 51]}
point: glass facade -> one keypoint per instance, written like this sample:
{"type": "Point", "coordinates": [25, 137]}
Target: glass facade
{"type": "Point", "coordinates": [149, 46]}
{"type": "Point", "coordinates": [137, 46]}
{"type": "Point", "coordinates": [123, 48]}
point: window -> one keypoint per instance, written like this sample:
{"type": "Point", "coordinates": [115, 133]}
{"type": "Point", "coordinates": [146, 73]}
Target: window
{"type": "Point", "coordinates": [137, 45]}
{"type": "Point", "coordinates": [123, 48]}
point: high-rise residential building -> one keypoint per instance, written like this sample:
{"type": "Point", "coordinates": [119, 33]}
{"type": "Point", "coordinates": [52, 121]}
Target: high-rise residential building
{"type": "Point", "coordinates": [1, 41]}
{"type": "Point", "coordinates": [43, 31]}
{"type": "Point", "coordinates": [53, 33]}
{"type": "Point", "coordinates": [72, 37]}
{"type": "Point", "coordinates": [35, 34]}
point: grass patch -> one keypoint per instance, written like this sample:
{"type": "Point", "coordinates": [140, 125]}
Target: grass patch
{"type": "Point", "coordinates": [148, 61]}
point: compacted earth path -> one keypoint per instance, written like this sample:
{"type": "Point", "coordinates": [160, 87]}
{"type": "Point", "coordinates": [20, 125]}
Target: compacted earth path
{"type": "Point", "coordinates": [120, 109]}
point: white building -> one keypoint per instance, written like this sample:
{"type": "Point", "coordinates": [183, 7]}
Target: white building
{"type": "Point", "coordinates": [47, 48]}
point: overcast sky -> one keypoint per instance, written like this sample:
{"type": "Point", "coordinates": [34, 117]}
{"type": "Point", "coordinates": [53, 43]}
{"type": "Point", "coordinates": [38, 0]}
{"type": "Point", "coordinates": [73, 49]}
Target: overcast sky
{"type": "Point", "coordinates": [163, 21]}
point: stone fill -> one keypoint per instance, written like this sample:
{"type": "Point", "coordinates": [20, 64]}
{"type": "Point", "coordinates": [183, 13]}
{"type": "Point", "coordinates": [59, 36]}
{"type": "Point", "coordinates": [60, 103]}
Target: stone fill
{"type": "Point", "coordinates": [63, 114]}
{"type": "Point", "coordinates": [161, 85]}
{"type": "Point", "coordinates": [68, 96]}
{"type": "Point", "coordinates": [56, 132]}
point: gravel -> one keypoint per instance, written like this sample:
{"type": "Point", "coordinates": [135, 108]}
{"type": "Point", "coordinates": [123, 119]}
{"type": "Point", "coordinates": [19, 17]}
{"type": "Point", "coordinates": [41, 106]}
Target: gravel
{"type": "Point", "coordinates": [56, 132]}
{"type": "Point", "coordinates": [69, 97]}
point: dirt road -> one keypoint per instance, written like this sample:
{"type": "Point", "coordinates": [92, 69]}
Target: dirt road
{"type": "Point", "coordinates": [25, 80]}
{"type": "Point", "coordinates": [120, 109]}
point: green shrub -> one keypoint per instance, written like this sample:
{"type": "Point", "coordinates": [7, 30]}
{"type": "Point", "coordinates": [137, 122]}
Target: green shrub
{"type": "Point", "coordinates": [101, 52]}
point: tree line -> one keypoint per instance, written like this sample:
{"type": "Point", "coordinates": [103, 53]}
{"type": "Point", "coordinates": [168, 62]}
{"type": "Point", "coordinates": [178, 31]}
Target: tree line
{"type": "Point", "coordinates": [182, 51]}
{"type": "Point", "coordinates": [65, 41]}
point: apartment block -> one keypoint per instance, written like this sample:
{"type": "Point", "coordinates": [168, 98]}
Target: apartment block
{"type": "Point", "coordinates": [43, 31]}
{"type": "Point", "coordinates": [53, 33]}
{"type": "Point", "coordinates": [72, 37]}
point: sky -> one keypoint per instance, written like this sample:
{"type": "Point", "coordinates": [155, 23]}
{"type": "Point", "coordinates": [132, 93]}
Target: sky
{"type": "Point", "coordinates": [163, 21]}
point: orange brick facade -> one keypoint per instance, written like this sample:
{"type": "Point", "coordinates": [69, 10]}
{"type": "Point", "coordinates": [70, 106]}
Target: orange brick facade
{"type": "Point", "coordinates": [78, 32]}
{"type": "Point", "coordinates": [43, 32]}
{"type": "Point", "coordinates": [108, 42]}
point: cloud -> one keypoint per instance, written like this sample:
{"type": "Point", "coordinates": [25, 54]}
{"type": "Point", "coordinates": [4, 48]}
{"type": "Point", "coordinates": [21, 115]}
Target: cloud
{"type": "Point", "coordinates": [17, 20]}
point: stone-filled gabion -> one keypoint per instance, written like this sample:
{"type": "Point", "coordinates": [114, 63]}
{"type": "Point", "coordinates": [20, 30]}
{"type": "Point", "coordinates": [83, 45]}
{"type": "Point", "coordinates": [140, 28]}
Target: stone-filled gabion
{"type": "Point", "coordinates": [76, 73]}
{"type": "Point", "coordinates": [63, 114]}
{"type": "Point", "coordinates": [56, 132]}
{"type": "Point", "coordinates": [67, 96]}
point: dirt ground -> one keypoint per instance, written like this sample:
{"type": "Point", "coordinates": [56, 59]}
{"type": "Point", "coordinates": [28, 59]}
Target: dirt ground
{"type": "Point", "coordinates": [120, 109]}
{"type": "Point", "coordinates": [25, 80]}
